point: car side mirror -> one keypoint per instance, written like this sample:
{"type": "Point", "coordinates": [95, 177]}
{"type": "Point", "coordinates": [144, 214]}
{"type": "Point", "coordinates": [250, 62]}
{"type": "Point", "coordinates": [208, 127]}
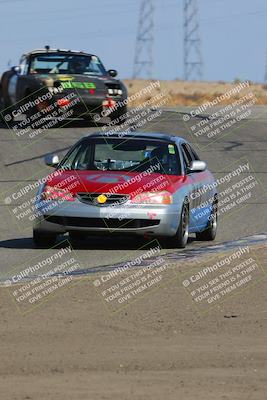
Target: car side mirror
{"type": "Point", "coordinates": [51, 160]}
{"type": "Point", "coordinates": [113, 72]}
{"type": "Point", "coordinates": [16, 70]}
{"type": "Point", "coordinates": [197, 166]}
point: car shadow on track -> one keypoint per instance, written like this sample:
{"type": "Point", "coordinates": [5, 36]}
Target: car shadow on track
{"type": "Point", "coordinates": [91, 243]}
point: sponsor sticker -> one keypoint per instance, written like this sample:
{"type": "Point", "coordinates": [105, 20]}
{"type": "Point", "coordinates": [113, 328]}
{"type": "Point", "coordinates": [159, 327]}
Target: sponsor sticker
{"type": "Point", "coordinates": [171, 149]}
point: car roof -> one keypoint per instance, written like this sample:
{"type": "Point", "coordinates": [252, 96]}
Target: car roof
{"type": "Point", "coordinates": [141, 135]}
{"type": "Point", "coordinates": [51, 51]}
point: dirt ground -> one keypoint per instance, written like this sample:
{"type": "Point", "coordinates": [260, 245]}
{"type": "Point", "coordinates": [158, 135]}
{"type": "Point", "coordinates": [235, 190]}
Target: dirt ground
{"type": "Point", "coordinates": [159, 347]}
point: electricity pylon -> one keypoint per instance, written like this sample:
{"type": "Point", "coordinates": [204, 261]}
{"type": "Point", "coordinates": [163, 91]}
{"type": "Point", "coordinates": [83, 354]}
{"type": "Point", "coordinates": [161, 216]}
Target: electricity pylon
{"type": "Point", "coordinates": [193, 64]}
{"type": "Point", "coordinates": [143, 60]}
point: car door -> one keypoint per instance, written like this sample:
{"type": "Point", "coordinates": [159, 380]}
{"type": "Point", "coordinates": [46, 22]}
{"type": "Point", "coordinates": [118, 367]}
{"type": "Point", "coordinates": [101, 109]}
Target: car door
{"type": "Point", "coordinates": [202, 195]}
{"type": "Point", "coordinates": [195, 182]}
{"type": "Point", "coordinates": [190, 182]}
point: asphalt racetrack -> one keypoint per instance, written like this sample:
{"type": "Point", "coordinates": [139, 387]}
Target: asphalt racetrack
{"type": "Point", "coordinates": [22, 164]}
{"type": "Point", "coordinates": [83, 342]}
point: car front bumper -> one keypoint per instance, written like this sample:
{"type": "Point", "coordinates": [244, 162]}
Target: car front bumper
{"type": "Point", "coordinates": [154, 220]}
{"type": "Point", "coordinates": [83, 106]}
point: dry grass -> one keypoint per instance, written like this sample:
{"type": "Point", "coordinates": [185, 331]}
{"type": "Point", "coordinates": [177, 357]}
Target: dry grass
{"type": "Point", "coordinates": [195, 93]}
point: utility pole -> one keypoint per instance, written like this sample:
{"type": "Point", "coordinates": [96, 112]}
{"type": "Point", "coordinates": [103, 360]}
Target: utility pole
{"type": "Point", "coordinates": [193, 64]}
{"type": "Point", "coordinates": [143, 60]}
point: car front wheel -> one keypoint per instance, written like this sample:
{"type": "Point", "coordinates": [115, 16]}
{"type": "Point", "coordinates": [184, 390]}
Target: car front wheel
{"type": "Point", "coordinates": [76, 236]}
{"type": "Point", "coordinates": [119, 117]}
{"type": "Point", "coordinates": [210, 232]}
{"type": "Point", "coordinates": [181, 237]}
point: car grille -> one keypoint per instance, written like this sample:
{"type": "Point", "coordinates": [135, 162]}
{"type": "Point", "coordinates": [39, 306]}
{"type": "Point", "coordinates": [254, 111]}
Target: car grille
{"type": "Point", "coordinates": [102, 222]}
{"type": "Point", "coordinates": [91, 198]}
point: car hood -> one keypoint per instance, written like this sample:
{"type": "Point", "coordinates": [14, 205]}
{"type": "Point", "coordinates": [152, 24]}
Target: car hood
{"type": "Point", "coordinates": [115, 182]}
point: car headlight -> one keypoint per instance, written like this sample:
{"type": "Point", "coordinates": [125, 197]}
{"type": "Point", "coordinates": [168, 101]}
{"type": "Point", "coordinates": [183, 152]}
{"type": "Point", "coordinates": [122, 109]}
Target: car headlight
{"type": "Point", "coordinates": [163, 197]}
{"type": "Point", "coordinates": [48, 82]}
{"type": "Point", "coordinates": [54, 193]}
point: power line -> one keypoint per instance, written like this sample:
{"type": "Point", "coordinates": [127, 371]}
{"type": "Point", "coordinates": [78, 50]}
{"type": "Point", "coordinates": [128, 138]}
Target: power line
{"type": "Point", "coordinates": [143, 60]}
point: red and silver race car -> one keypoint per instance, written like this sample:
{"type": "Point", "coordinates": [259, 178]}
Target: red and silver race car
{"type": "Point", "coordinates": [139, 184]}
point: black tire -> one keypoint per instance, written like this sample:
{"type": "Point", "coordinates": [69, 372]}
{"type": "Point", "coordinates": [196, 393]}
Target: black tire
{"type": "Point", "coordinates": [120, 116]}
{"type": "Point", "coordinates": [1, 99]}
{"type": "Point", "coordinates": [77, 238]}
{"type": "Point", "coordinates": [75, 235]}
{"type": "Point", "coordinates": [4, 84]}
{"type": "Point", "coordinates": [44, 239]}
{"type": "Point", "coordinates": [181, 237]}
{"type": "Point", "coordinates": [88, 120]}
{"type": "Point", "coordinates": [32, 110]}
{"type": "Point", "coordinates": [1, 106]}
{"type": "Point", "coordinates": [209, 233]}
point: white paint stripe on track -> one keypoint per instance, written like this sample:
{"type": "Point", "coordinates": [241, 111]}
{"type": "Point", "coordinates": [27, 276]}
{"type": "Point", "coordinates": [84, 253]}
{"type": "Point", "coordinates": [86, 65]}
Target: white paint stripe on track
{"type": "Point", "coordinates": [179, 255]}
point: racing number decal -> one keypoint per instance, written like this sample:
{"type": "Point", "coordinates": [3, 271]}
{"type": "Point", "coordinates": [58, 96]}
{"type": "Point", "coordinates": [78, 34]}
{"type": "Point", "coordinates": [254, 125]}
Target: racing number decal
{"type": "Point", "coordinates": [78, 85]}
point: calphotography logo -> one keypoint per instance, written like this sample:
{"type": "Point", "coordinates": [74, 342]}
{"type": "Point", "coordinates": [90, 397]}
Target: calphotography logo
{"type": "Point", "coordinates": [220, 280]}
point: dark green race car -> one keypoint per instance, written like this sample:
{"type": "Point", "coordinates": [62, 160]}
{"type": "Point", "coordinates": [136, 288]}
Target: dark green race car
{"type": "Point", "coordinates": [62, 82]}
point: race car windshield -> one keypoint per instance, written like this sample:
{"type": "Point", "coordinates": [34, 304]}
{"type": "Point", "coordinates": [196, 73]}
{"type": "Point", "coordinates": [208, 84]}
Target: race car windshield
{"type": "Point", "coordinates": [66, 64]}
{"type": "Point", "coordinates": [133, 155]}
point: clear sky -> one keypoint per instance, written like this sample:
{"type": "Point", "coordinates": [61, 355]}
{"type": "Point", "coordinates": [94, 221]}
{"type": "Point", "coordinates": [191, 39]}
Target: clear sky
{"type": "Point", "coordinates": [233, 34]}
